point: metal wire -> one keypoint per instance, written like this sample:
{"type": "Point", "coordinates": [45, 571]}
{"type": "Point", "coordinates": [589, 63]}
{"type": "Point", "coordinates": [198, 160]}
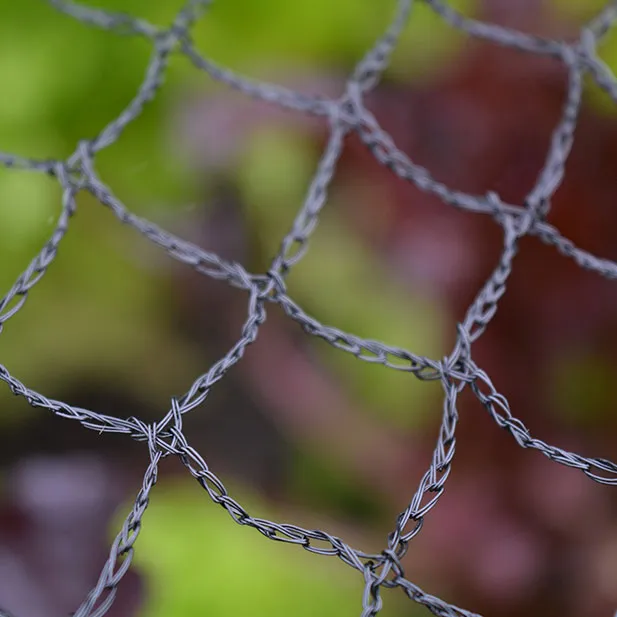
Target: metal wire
{"type": "Point", "coordinates": [345, 115]}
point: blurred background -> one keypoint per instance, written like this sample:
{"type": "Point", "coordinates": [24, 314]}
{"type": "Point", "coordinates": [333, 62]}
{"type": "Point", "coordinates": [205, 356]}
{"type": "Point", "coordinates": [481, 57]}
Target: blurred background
{"type": "Point", "coordinates": [299, 431]}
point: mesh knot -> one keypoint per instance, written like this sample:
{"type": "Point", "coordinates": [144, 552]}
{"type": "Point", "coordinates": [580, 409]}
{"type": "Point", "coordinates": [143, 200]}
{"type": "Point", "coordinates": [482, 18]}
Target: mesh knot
{"type": "Point", "coordinates": [394, 560]}
{"type": "Point", "coordinates": [77, 170]}
{"type": "Point", "coordinates": [534, 212]}
{"type": "Point", "coordinates": [347, 110]}
{"type": "Point", "coordinates": [456, 365]}
{"type": "Point", "coordinates": [272, 284]}
{"type": "Point", "coordinates": [147, 432]}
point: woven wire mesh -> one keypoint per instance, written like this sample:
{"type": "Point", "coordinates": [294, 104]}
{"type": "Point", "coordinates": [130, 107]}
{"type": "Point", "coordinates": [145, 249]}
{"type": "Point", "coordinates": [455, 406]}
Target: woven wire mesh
{"type": "Point", "coordinates": [457, 371]}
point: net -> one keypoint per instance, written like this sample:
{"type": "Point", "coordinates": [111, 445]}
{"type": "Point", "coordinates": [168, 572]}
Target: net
{"type": "Point", "coordinates": [344, 115]}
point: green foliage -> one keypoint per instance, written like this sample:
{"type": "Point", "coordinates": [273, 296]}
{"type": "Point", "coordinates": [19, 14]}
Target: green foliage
{"type": "Point", "coordinates": [101, 314]}
{"type": "Point", "coordinates": [576, 10]}
{"type": "Point", "coordinates": [197, 561]}
{"type": "Point", "coordinates": [341, 282]}
{"type": "Point", "coordinates": [63, 81]}
{"type": "Point", "coordinates": [325, 488]}
{"type": "Point", "coordinates": [98, 312]}
{"type": "Point", "coordinates": [28, 209]}
{"type": "Point", "coordinates": [322, 32]}
{"type": "Point", "coordinates": [582, 388]}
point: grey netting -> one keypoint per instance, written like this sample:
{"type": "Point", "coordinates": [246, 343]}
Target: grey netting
{"type": "Point", "coordinates": [457, 371]}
